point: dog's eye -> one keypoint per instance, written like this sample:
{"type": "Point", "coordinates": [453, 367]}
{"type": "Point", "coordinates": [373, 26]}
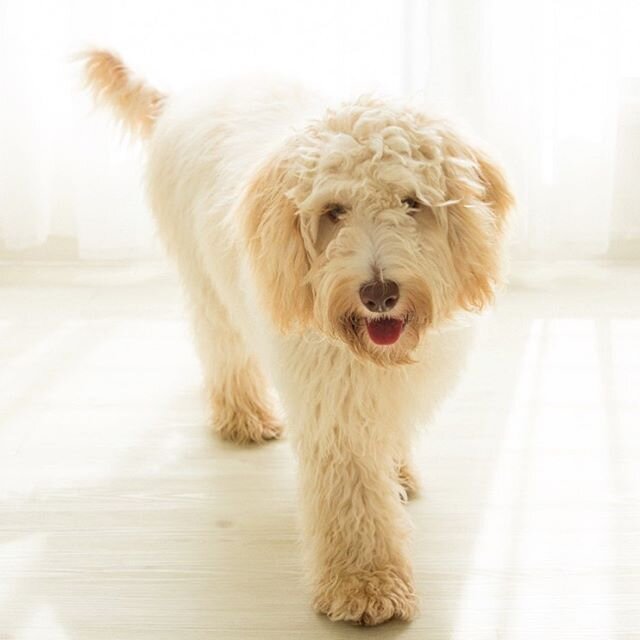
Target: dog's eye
{"type": "Point", "coordinates": [334, 211]}
{"type": "Point", "coordinates": [412, 204]}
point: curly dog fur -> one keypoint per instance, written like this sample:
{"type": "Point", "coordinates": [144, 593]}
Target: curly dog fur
{"type": "Point", "coordinates": [283, 215]}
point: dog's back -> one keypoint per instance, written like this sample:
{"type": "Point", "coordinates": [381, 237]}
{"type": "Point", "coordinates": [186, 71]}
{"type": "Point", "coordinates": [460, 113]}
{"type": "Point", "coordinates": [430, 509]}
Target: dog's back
{"type": "Point", "coordinates": [201, 147]}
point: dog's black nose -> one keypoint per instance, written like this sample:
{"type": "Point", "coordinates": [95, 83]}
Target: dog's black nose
{"type": "Point", "coordinates": [379, 296]}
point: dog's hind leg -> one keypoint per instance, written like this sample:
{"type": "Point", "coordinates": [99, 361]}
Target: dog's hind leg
{"type": "Point", "coordinates": [236, 387]}
{"type": "Point", "coordinates": [408, 478]}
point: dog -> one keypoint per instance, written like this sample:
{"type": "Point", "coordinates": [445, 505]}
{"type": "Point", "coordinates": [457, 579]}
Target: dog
{"type": "Point", "coordinates": [340, 255]}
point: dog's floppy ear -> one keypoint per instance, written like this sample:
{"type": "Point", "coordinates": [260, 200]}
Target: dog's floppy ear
{"type": "Point", "coordinates": [275, 246]}
{"type": "Point", "coordinates": [480, 201]}
{"type": "Point", "coordinates": [497, 194]}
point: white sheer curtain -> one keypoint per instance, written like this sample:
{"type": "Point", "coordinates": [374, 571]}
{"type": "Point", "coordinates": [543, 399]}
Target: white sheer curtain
{"type": "Point", "coordinates": [553, 87]}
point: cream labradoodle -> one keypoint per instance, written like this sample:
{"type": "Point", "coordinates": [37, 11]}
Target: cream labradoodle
{"type": "Point", "coordinates": [329, 252]}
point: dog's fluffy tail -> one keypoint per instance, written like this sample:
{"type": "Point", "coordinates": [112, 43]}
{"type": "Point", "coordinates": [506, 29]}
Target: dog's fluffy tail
{"type": "Point", "coordinates": [136, 104]}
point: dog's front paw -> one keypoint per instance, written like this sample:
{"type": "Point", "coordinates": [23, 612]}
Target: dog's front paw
{"type": "Point", "coordinates": [244, 427]}
{"type": "Point", "coordinates": [367, 598]}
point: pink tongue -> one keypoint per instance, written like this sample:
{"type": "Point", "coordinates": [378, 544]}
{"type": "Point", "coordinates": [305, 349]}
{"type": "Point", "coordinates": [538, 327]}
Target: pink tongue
{"type": "Point", "coordinates": [385, 331]}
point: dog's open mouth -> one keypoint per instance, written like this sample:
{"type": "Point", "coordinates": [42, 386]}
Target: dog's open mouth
{"type": "Point", "coordinates": [385, 331]}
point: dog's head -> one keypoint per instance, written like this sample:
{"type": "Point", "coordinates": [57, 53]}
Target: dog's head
{"type": "Point", "coordinates": [374, 224]}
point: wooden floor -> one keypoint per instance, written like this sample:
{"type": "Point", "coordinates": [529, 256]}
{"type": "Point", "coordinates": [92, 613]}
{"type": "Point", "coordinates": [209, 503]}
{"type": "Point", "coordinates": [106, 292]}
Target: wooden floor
{"type": "Point", "coordinates": [122, 518]}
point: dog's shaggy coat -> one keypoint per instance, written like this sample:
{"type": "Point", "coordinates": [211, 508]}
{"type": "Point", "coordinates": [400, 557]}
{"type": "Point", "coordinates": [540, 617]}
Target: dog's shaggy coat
{"type": "Point", "coordinates": [278, 212]}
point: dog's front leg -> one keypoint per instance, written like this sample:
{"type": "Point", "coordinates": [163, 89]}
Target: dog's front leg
{"type": "Point", "coordinates": [355, 526]}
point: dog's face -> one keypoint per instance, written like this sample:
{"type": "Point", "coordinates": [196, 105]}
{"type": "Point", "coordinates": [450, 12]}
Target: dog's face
{"type": "Point", "coordinates": [373, 225]}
